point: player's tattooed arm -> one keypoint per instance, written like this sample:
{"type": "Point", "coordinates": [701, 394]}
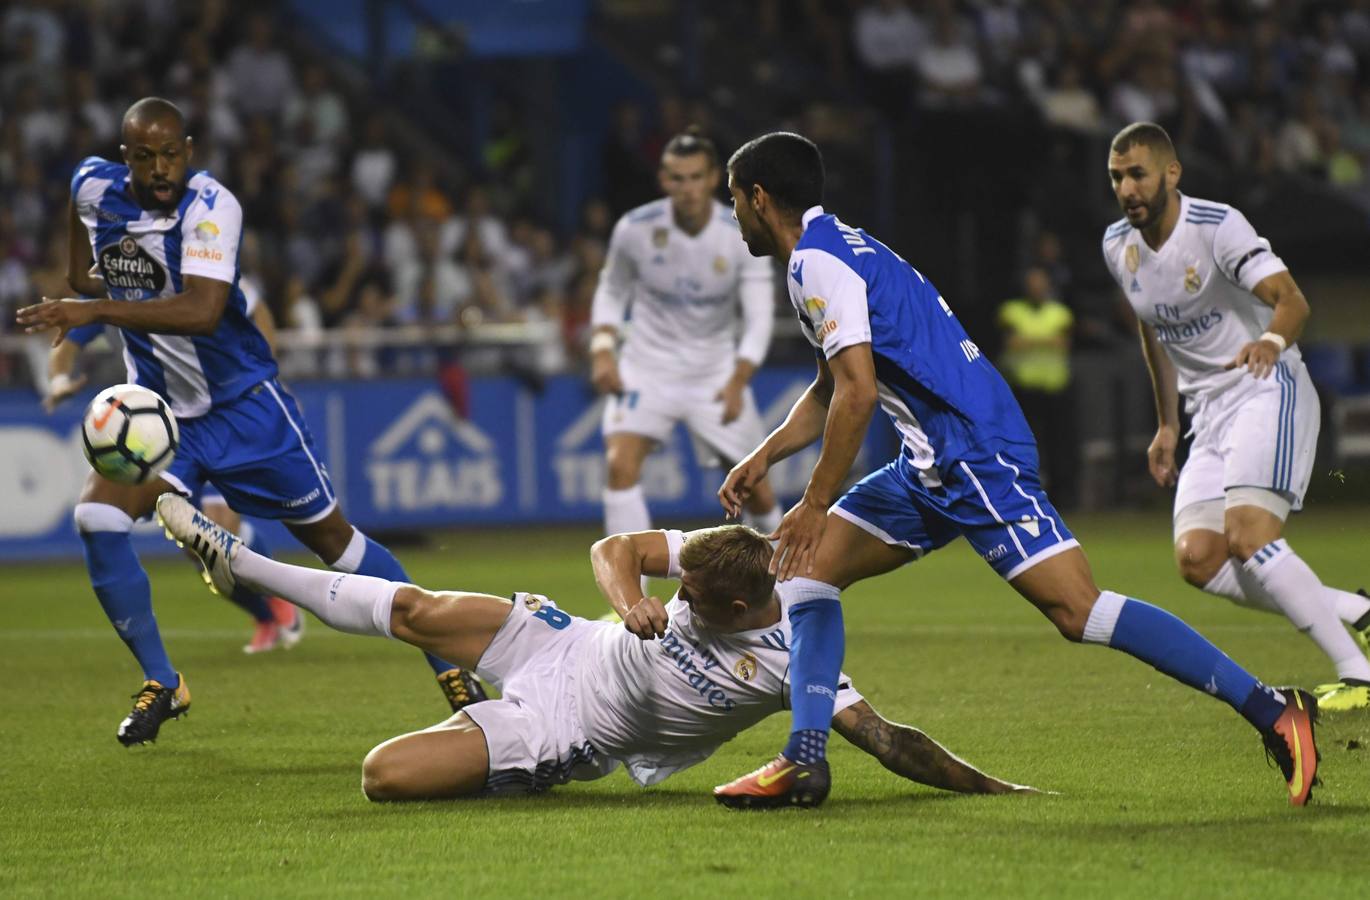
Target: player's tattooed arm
{"type": "Point", "coordinates": [908, 752]}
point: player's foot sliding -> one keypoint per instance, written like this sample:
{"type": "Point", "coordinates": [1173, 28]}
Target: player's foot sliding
{"type": "Point", "coordinates": [777, 784]}
{"type": "Point", "coordinates": [1291, 745]}
{"type": "Point", "coordinates": [152, 706]}
{"type": "Point", "coordinates": [461, 688]}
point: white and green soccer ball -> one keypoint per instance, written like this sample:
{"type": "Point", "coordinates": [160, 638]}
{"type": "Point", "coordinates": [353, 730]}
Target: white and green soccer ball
{"type": "Point", "coordinates": [129, 434]}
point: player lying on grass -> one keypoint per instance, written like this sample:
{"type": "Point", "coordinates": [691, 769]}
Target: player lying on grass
{"type": "Point", "coordinates": [580, 698]}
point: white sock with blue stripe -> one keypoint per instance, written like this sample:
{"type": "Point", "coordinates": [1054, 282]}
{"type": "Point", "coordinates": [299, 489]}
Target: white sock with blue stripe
{"type": "Point", "coordinates": [1278, 571]}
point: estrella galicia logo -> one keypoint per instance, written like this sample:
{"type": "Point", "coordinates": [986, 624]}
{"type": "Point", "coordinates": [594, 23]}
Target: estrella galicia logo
{"type": "Point", "coordinates": [129, 267]}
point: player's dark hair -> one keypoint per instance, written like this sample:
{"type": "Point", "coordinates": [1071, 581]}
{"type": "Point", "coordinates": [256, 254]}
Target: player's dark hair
{"type": "Point", "coordinates": [1145, 134]}
{"type": "Point", "coordinates": [692, 142]}
{"type": "Point", "coordinates": [730, 561]}
{"type": "Point", "coordinates": [787, 165]}
{"type": "Point", "coordinates": [151, 109]}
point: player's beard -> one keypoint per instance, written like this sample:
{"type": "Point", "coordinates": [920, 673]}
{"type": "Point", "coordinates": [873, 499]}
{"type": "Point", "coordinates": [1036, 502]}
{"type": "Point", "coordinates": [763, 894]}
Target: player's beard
{"type": "Point", "coordinates": [1155, 208]}
{"type": "Point", "coordinates": [149, 200]}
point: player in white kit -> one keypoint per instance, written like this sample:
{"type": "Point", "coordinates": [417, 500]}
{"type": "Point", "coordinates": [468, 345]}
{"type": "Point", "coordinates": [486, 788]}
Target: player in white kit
{"type": "Point", "coordinates": [1219, 317]}
{"type": "Point", "coordinates": [657, 694]}
{"type": "Point", "coordinates": [679, 269]}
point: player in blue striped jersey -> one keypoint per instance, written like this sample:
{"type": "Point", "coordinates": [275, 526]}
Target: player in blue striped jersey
{"type": "Point", "coordinates": [165, 242]}
{"type": "Point", "coordinates": [967, 467]}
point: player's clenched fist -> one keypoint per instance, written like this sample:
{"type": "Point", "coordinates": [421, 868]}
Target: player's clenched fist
{"type": "Point", "coordinates": [647, 619]}
{"type": "Point", "coordinates": [1160, 456]}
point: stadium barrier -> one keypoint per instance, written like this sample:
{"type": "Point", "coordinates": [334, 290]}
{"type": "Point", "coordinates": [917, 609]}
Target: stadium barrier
{"type": "Point", "coordinates": [401, 458]}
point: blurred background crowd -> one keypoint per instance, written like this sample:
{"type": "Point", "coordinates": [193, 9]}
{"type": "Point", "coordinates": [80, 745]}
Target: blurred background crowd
{"type": "Point", "coordinates": [430, 169]}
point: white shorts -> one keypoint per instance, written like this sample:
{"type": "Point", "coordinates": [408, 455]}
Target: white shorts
{"type": "Point", "coordinates": [533, 732]}
{"type": "Point", "coordinates": [651, 407]}
{"type": "Point", "coordinates": [1265, 435]}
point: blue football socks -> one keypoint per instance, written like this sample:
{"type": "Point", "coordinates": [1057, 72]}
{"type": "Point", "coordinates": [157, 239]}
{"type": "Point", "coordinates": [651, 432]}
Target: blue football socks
{"type": "Point", "coordinates": [1170, 646]}
{"type": "Point", "coordinates": [126, 596]}
{"type": "Point", "coordinates": [817, 645]}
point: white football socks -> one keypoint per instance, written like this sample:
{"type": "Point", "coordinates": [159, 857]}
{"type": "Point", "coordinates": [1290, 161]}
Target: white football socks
{"type": "Point", "coordinates": [626, 511]}
{"type": "Point", "coordinates": [357, 604]}
{"type": "Point", "coordinates": [1227, 583]}
{"type": "Point", "coordinates": [1278, 571]}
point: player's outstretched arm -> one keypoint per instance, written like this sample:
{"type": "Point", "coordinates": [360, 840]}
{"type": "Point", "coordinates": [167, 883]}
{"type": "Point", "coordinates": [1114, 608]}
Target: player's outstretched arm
{"type": "Point", "coordinates": [801, 427]}
{"type": "Point", "coordinates": [196, 310]}
{"type": "Point", "coordinates": [908, 752]}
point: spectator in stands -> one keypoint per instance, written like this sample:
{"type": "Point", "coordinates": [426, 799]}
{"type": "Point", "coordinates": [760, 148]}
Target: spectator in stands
{"type": "Point", "coordinates": [629, 175]}
{"type": "Point", "coordinates": [1067, 103]}
{"type": "Point", "coordinates": [432, 287]}
{"type": "Point", "coordinates": [949, 67]}
{"type": "Point", "coordinates": [373, 166]}
{"type": "Point", "coordinates": [261, 74]}
{"type": "Point", "coordinates": [319, 105]}
{"type": "Point", "coordinates": [1036, 362]}
{"type": "Point", "coordinates": [889, 37]}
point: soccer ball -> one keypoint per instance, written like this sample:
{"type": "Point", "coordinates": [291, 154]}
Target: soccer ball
{"type": "Point", "coordinates": [129, 434]}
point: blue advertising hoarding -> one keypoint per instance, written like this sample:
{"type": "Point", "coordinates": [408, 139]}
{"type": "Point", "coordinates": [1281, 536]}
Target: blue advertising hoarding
{"type": "Point", "coordinates": [401, 458]}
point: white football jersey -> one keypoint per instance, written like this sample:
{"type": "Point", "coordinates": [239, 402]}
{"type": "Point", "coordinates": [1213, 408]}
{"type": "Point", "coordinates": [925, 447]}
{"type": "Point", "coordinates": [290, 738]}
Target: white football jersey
{"type": "Point", "coordinates": [683, 294]}
{"type": "Point", "coordinates": [666, 704]}
{"type": "Point", "coordinates": [1196, 291]}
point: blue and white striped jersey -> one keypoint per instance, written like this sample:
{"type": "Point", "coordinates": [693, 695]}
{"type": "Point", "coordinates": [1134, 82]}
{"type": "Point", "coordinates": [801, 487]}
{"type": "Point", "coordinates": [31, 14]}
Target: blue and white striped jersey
{"type": "Point", "coordinates": [946, 400]}
{"type": "Point", "coordinates": [145, 254]}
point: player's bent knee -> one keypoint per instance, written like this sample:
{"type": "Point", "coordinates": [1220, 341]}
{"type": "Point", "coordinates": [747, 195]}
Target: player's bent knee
{"type": "Point", "coordinates": [1243, 544]}
{"type": "Point", "coordinates": [383, 777]}
{"type": "Point", "coordinates": [1069, 622]}
{"type": "Point", "coordinates": [1198, 564]}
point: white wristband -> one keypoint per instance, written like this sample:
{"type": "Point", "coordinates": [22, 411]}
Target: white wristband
{"type": "Point", "coordinates": [603, 340]}
{"type": "Point", "coordinates": [1276, 339]}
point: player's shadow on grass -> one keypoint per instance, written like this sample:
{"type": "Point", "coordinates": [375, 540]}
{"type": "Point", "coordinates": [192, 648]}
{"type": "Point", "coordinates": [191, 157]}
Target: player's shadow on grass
{"type": "Point", "coordinates": [642, 800]}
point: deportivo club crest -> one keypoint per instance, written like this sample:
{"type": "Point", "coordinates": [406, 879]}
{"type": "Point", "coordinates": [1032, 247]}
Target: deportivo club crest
{"type": "Point", "coordinates": [720, 264]}
{"type": "Point", "coordinates": [659, 237]}
{"type": "Point", "coordinates": [128, 246]}
{"type": "Point", "coordinates": [746, 667]}
{"type": "Point", "coordinates": [1191, 280]}
{"type": "Point", "coordinates": [1131, 258]}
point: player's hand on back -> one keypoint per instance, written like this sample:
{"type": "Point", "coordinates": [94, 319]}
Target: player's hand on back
{"type": "Point", "coordinates": [647, 619]}
{"type": "Point", "coordinates": [737, 487]}
{"type": "Point", "coordinates": [797, 540]}
{"type": "Point", "coordinates": [1160, 456]}
{"type": "Point", "coordinates": [63, 315]}
{"type": "Point", "coordinates": [604, 373]}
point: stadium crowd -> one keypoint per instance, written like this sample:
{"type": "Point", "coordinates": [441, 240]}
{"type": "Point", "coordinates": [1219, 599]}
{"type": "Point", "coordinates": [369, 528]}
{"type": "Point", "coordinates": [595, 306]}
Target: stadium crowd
{"type": "Point", "coordinates": [355, 224]}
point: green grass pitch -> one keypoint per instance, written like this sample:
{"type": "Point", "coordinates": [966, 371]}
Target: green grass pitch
{"type": "Point", "coordinates": [1163, 792]}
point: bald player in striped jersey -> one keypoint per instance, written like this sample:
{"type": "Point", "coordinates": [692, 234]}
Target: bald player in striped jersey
{"type": "Point", "coordinates": [165, 242]}
{"type": "Point", "coordinates": [1219, 318]}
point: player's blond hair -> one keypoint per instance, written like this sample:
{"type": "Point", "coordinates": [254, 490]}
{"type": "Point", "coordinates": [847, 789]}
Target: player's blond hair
{"type": "Point", "coordinates": [730, 561]}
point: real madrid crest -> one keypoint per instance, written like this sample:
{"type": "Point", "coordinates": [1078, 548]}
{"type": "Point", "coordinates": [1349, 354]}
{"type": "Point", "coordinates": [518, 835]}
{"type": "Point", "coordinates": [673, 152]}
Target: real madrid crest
{"type": "Point", "coordinates": [1191, 280]}
{"type": "Point", "coordinates": [1131, 258]}
{"type": "Point", "coordinates": [746, 667]}
{"type": "Point", "coordinates": [532, 602]}
{"type": "Point", "coordinates": [660, 236]}
{"type": "Point", "coordinates": [720, 265]}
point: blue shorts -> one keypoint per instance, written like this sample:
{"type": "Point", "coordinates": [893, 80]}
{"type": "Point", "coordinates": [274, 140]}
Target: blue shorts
{"type": "Point", "coordinates": [997, 503]}
{"type": "Point", "coordinates": [257, 451]}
